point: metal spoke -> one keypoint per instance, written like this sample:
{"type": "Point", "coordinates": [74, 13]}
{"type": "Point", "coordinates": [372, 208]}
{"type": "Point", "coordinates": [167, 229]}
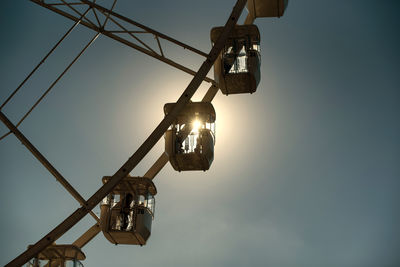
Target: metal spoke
{"type": "Point", "coordinates": [133, 36]}
{"type": "Point", "coordinates": [45, 162]}
{"type": "Point", "coordinates": [116, 31]}
{"type": "Point", "coordinates": [52, 85]}
{"type": "Point", "coordinates": [147, 29]}
{"type": "Point", "coordinates": [77, 12]}
{"type": "Point", "coordinates": [142, 151]}
{"type": "Point", "coordinates": [159, 45]}
{"type": "Point", "coordinates": [97, 18]}
{"type": "Point", "coordinates": [63, 4]}
{"type": "Point", "coordinates": [128, 43]}
{"type": "Point", "coordinates": [108, 15]}
{"type": "Point", "coordinates": [43, 60]}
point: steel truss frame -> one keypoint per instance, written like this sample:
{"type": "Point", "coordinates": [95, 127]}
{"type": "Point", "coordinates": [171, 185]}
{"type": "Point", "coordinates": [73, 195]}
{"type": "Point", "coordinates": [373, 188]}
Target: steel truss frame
{"type": "Point", "coordinates": [119, 28]}
{"type": "Point", "coordinates": [141, 152]}
{"type": "Point", "coordinates": [97, 17]}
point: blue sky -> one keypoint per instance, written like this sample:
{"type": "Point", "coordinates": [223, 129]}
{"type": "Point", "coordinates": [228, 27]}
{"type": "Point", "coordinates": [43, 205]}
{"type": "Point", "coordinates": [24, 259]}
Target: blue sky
{"type": "Point", "coordinates": [306, 170]}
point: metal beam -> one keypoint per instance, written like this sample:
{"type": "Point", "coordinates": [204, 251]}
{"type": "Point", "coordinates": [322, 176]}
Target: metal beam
{"type": "Point", "coordinates": [142, 151]}
{"type": "Point", "coordinates": [87, 236]}
{"type": "Point", "coordinates": [249, 19]}
{"type": "Point", "coordinates": [157, 166]}
{"type": "Point", "coordinates": [45, 162]}
{"type": "Point", "coordinates": [52, 85]}
{"type": "Point", "coordinates": [44, 59]}
{"type": "Point", "coordinates": [147, 29]}
{"type": "Point", "coordinates": [110, 34]}
{"type": "Point", "coordinates": [211, 93]}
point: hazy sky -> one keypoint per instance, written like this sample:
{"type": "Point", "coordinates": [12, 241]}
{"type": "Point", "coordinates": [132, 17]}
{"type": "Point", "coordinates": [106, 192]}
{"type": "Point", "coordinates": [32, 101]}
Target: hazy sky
{"type": "Point", "coordinates": [306, 170]}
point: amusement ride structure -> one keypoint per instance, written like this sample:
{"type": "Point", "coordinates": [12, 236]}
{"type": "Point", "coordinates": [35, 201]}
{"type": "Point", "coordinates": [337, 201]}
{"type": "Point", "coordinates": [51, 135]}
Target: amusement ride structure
{"type": "Point", "coordinates": [127, 204]}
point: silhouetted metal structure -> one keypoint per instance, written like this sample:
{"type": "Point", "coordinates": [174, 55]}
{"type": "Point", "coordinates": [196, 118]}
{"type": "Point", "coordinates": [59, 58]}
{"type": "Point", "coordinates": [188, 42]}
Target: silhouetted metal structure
{"type": "Point", "coordinates": [188, 127]}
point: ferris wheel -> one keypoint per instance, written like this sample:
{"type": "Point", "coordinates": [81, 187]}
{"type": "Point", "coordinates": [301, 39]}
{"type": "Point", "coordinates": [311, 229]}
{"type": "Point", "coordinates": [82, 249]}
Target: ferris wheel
{"type": "Point", "coordinates": [127, 203]}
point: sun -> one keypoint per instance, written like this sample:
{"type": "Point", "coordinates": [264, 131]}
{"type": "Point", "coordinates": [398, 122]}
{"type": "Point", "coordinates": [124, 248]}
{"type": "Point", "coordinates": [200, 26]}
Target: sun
{"type": "Point", "coordinates": [196, 124]}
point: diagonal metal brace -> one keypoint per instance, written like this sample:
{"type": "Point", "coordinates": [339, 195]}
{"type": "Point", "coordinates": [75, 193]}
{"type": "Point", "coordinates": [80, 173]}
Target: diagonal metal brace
{"type": "Point", "coordinates": [45, 162]}
{"type": "Point", "coordinates": [111, 35]}
{"type": "Point", "coordinates": [142, 151]}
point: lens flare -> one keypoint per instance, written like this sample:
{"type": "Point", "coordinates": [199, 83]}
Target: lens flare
{"type": "Point", "coordinates": [196, 124]}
